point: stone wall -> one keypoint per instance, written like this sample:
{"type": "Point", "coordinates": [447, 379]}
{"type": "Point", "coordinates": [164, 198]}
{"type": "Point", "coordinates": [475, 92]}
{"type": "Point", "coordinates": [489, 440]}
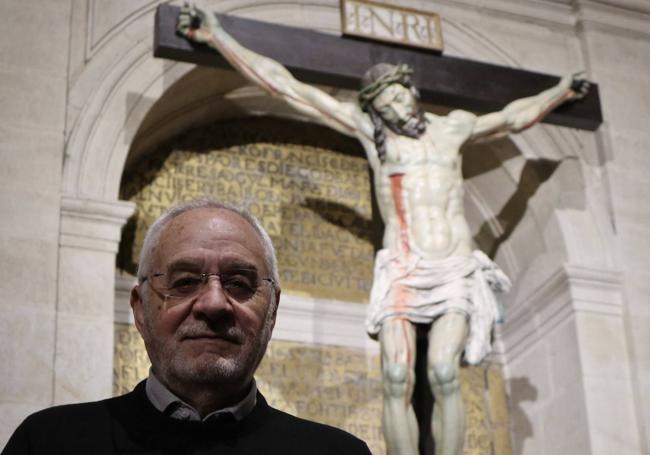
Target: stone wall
{"type": "Point", "coordinates": [78, 87]}
{"type": "Point", "coordinates": [33, 83]}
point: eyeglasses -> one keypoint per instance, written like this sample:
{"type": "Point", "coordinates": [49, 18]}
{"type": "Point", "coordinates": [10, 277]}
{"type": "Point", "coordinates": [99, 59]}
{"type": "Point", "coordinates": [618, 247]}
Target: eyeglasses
{"type": "Point", "coordinates": [176, 287]}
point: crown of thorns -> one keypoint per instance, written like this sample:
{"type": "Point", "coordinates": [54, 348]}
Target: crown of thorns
{"type": "Point", "coordinates": [401, 74]}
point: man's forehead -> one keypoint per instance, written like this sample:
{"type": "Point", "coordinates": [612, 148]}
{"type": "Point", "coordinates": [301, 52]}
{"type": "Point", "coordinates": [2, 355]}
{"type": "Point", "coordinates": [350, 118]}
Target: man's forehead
{"type": "Point", "coordinates": [210, 218]}
{"type": "Point", "coordinates": [204, 228]}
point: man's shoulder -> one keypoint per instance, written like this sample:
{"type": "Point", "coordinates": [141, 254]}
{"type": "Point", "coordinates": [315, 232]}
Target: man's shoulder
{"type": "Point", "coordinates": [59, 420]}
{"type": "Point", "coordinates": [87, 424]}
{"type": "Point", "coordinates": [314, 434]}
{"type": "Point", "coordinates": [76, 411]}
{"type": "Point", "coordinates": [284, 418]}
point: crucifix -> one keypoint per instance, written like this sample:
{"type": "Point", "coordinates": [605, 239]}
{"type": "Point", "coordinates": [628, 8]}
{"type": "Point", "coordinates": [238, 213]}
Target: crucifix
{"type": "Point", "coordinates": [427, 277]}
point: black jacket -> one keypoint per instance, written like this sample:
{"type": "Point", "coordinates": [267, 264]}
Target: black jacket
{"type": "Point", "coordinates": [130, 424]}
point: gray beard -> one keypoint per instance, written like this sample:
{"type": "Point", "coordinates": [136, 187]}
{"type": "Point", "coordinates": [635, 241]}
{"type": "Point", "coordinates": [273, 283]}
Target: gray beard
{"type": "Point", "coordinates": [171, 368]}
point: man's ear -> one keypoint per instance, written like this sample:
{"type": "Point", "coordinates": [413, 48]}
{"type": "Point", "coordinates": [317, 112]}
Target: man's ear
{"type": "Point", "coordinates": [137, 306]}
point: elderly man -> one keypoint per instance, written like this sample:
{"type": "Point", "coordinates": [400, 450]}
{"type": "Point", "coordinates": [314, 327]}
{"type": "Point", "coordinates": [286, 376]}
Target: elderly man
{"type": "Point", "coordinates": [427, 273]}
{"type": "Point", "coordinates": [205, 305]}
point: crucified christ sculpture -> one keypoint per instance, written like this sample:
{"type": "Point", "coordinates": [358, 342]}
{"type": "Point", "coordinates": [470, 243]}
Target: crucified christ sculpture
{"type": "Point", "coordinates": [427, 272]}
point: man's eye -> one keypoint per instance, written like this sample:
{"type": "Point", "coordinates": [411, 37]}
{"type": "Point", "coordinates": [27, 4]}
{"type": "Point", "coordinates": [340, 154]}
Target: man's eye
{"type": "Point", "coordinates": [185, 283]}
{"type": "Point", "coordinates": [240, 288]}
{"type": "Point", "coordinates": [236, 283]}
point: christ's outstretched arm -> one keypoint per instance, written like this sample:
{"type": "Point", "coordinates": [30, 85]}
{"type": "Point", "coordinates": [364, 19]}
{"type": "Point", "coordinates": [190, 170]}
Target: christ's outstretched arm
{"type": "Point", "coordinates": [203, 27]}
{"type": "Point", "coordinates": [525, 112]}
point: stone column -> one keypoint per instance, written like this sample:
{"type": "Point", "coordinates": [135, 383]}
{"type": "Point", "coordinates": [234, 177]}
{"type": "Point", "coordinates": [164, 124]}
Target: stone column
{"type": "Point", "coordinates": [615, 36]}
{"type": "Point", "coordinates": [90, 234]}
{"type": "Point", "coordinates": [568, 366]}
{"type": "Point", "coordinates": [33, 83]}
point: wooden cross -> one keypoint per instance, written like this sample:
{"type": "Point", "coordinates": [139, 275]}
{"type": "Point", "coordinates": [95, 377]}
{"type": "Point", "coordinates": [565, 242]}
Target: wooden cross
{"type": "Point", "coordinates": [319, 58]}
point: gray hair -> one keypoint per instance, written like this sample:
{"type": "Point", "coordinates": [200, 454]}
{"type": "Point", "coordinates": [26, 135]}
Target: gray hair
{"type": "Point", "coordinates": [154, 231]}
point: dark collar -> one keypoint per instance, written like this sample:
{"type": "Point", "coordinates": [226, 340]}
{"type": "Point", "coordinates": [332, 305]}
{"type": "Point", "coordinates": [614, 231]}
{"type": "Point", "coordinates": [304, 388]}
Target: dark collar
{"type": "Point", "coordinates": [165, 401]}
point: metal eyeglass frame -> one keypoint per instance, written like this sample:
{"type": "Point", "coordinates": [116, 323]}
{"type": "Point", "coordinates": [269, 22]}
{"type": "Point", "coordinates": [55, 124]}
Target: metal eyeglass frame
{"type": "Point", "coordinates": [205, 277]}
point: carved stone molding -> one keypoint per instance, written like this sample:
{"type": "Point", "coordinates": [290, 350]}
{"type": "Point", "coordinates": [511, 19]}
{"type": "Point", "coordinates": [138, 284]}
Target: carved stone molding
{"type": "Point", "coordinates": [569, 290]}
{"type": "Point", "coordinates": [641, 6]}
{"type": "Point", "coordinates": [322, 321]}
{"type": "Point", "coordinates": [94, 225]}
{"type": "Point", "coordinates": [123, 284]}
{"type": "Point", "coordinates": [624, 17]}
{"type": "Point", "coordinates": [619, 16]}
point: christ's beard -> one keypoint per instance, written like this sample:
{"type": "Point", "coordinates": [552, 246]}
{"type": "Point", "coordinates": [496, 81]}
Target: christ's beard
{"type": "Point", "coordinates": [414, 126]}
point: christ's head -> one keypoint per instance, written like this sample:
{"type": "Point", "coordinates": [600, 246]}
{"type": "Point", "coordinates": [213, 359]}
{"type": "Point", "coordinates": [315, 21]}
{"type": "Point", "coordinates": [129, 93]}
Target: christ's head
{"type": "Point", "coordinates": [392, 101]}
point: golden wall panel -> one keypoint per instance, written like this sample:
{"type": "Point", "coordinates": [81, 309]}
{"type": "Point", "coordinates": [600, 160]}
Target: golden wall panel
{"type": "Point", "coordinates": [478, 440]}
{"type": "Point", "coordinates": [498, 411]}
{"type": "Point", "coordinates": [333, 385]}
{"type": "Point", "coordinates": [130, 361]}
{"type": "Point", "coordinates": [314, 202]}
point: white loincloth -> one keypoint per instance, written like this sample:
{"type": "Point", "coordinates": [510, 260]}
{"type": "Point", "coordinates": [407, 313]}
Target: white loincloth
{"type": "Point", "coordinates": [430, 288]}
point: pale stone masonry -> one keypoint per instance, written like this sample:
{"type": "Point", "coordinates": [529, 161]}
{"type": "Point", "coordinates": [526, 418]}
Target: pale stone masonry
{"type": "Point", "coordinates": [81, 95]}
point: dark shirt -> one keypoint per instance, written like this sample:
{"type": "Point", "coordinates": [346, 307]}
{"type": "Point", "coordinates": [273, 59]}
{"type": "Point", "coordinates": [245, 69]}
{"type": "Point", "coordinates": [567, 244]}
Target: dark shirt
{"type": "Point", "coordinates": [131, 424]}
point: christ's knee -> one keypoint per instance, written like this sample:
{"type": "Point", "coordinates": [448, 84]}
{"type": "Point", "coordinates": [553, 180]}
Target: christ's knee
{"type": "Point", "coordinates": [396, 380]}
{"type": "Point", "coordinates": [443, 376]}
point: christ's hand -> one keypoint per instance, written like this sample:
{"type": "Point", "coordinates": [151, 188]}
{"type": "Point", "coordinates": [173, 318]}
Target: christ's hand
{"type": "Point", "coordinates": [195, 24]}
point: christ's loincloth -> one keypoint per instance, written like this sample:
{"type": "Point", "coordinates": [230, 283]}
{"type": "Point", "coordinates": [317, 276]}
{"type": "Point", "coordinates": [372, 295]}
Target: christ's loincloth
{"type": "Point", "coordinates": [420, 290]}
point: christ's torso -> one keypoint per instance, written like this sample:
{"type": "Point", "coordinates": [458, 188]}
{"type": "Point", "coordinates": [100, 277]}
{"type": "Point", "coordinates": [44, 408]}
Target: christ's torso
{"type": "Point", "coordinates": [420, 189]}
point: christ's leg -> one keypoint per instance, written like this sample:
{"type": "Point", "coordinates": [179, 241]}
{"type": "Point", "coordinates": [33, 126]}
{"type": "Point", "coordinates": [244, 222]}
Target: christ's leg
{"type": "Point", "coordinates": [446, 342]}
{"type": "Point", "coordinates": [397, 341]}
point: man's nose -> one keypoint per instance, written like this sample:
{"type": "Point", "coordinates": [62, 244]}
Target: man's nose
{"type": "Point", "coordinates": [213, 301]}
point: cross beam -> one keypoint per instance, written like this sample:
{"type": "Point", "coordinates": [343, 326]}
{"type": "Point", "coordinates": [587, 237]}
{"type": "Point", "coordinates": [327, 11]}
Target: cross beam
{"type": "Point", "coordinates": [320, 58]}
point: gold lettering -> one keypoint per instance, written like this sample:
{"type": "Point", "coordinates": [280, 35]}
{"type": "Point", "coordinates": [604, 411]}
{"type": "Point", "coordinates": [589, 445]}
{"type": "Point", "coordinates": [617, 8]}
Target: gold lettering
{"type": "Point", "coordinates": [315, 204]}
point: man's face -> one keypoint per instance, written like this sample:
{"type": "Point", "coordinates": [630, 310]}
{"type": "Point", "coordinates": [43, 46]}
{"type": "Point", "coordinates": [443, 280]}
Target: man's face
{"type": "Point", "coordinates": [211, 338]}
{"type": "Point", "coordinates": [398, 106]}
